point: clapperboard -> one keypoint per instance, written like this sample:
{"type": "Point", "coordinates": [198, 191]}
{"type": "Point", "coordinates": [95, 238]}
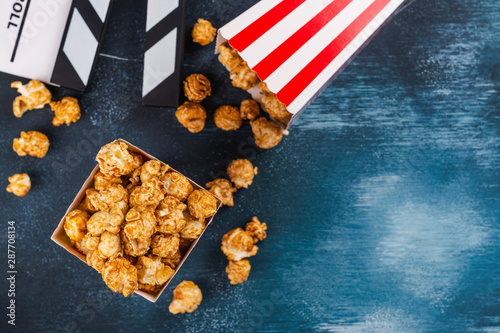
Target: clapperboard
{"type": "Point", "coordinates": [58, 42]}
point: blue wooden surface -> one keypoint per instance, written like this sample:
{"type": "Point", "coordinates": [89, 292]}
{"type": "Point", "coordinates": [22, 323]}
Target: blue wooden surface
{"type": "Point", "coordinates": [382, 205]}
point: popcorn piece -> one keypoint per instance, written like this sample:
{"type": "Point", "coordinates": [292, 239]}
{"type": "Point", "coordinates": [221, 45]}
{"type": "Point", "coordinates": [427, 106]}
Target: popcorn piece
{"type": "Point", "coordinates": [170, 215]}
{"type": "Point", "coordinates": [105, 221]}
{"type": "Point", "coordinates": [203, 32]}
{"type": "Point", "coordinates": [238, 244]}
{"type": "Point", "coordinates": [187, 297]}
{"type": "Point", "coordinates": [109, 244]}
{"type": "Point", "coordinates": [115, 160]}
{"type": "Point", "coordinates": [76, 225]}
{"type": "Point", "coordinates": [241, 172]}
{"type": "Point", "coordinates": [138, 160]}
{"type": "Point", "coordinates": [177, 185]}
{"type": "Point", "coordinates": [249, 109]}
{"type": "Point", "coordinates": [66, 111]}
{"type": "Point", "coordinates": [192, 116]}
{"type": "Point", "coordinates": [238, 271]}
{"type": "Point", "coordinates": [34, 95]}
{"type": "Point", "coordinates": [152, 169]}
{"type": "Point", "coordinates": [31, 143]}
{"type": "Point", "coordinates": [120, 276]}
{"type": "Point", "coordinates": [147, 196]}
{"type": "Point", "coordinates": [113, 196]}
{"type": "Point", "coordinates": [229, 57]}
{"type": "Point", "coordinates": [223, 189]}
{"type": "Point", "coordinates": [184, 244]}
{"type": "Point", "coordinates": [274, 107]}
{"type": "Point", "coordinates": [197, 87]}
{"type": "Point", "coordinates": [19, 184]}
{"type": "Point", "coordinates": [135, 247]}
{"type": "Point", "coordinates": [193, 229]}
{"type": "Point", "coordinates": [256, 229]}
{"type": "Point", "coordinates": [95, 260]}
{"type": "Point", "coordinates": [87, 244]}
{"type": "Point", "coordinates": [267, 133]}
{"type": "Point", "coordinates": [165, 245]}
{"type": "Point", "coordinates": [150, 270]}
{"type": "Point", "coordinates": [202, 204]}
{"type": "Point", "coordinates": [141, 224]}
{"type": "Point", "coordinates": [102, 181]}
{"type": "Point", "coordinates": [228, 118]}
{"type": "Point", "coordinates": [150, 288]}
{"type": "Point", "coordinates": [243, 77]}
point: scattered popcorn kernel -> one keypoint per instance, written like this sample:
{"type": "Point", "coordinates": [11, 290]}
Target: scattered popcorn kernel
{"type": "Point", "coordinates": [238, 244]}
{"type": "Point", "coordinates": [192, 116]}
{"type": "Point", "coordinates": [115, 160]}
{"type": "Point", "coordinates": [31, 143]}
{"type": "Point", "coordinates": [165, 245]}
{"type": "Point", "coordinates": [19, 184]}
{"type": "Point", "coordinates": [197, 87]}
{"type": "Point", "coordinates": [147, 196]}
{"type": "Point", "coordinates": [243, 77]}
{"type": "Point", "coordinates": [102, 181]}
{"type": "Point", "coordinates": [223, 189]}
{"type": "Point", "coordinates": [187, 297]}
{"type": "Point", "coordinates": [152, 169]}
{"type": "Point", "coordinates": [105, 221]}
{"type": "Point", "coordinates": [176, 185]}
{"type": "Point", "coordinates": [249, 109]}
{"type": "Point", "coordinates": [238, 271]}
{"type": "Point", "coordinates": [193, 229]}
{"type": "Point", "coordinates": [34, 95]}
{"type": "Point", "coordinates": [120, 276]}
{"type": "Point", "coordinates": [267, 133]}
{"type": "Point", "coordinates": [202, 204]}
{"type": "Point", "coordinates": [76, 225]}
{"type": "Point", "coordinates": [229, 57]}
{"type": "Point", "coordinates": [203, 32]}
{"type": "Point", "coordinates": [256, 229]}
{"type": "Point", "coordinates": [66, 111]}
{"type": "Point", "coordinates": [95, 260]}
{"type": "Point", "coordinates": [109, 244]}
{"type": "Point", "coordinates": [228, 118]}
{"type": "Point", "coordinates": [274, 107]}
{"type": "Point", "coordinates": [241, 172]}
{"type": "Point", "coordinates": [169, 215]}
{"type": "Point", "coordinates": [150, 270]}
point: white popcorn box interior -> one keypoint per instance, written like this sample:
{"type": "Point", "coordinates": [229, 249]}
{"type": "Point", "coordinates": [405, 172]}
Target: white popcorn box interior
{"type": "Point", "coordinates": [59, 236]}
{"type": "Point", "coordinates": [54, 41]}
{"type": "Point", "coordinates": [298, 47]}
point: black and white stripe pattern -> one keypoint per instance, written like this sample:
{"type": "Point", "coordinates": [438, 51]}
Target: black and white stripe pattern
{"type": "Point", "coordinates": [164, 53]}
{"type": "Point", "coordinates": [80, 43]}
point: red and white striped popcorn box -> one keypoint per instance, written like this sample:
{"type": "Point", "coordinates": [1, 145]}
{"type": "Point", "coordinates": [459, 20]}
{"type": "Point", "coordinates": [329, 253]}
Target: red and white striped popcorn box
{"type": "Point", "coordinates": [298, 47]}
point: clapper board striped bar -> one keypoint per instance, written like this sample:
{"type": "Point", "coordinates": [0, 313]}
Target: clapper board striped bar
{"type": "Point", "coordinates": [298, 47]}
{"type": "Point", "coordinates": [163, 58]}
{"type": "Point", "coordinates": [80, 44]}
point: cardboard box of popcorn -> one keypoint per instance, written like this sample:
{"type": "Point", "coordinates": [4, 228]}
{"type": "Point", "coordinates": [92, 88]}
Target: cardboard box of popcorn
{"type": "Point", "coordinates": [135, 220]}
{"type": "Point", "coordinates": [298, 47]}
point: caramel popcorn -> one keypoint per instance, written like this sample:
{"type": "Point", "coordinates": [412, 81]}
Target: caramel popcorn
{"type": "Point", "coordinates": [34, 95]}
{"type": "Point", "coordinates": [243, 77]}
{"type": "Point", "coordinates": [66, 111]}
{"type": "Point", "coordinates": [197, 87]}
{"type": "Point", "coordinates": [173, 262]}
{"type": "Point", "coordinates": [75, 225]}
{"type": "Point", "coordinates": [31, 143]}
{"type": "Point", "coordinates": [169, 215]}
{"type": "Point", "coordinates": [238, 271]}
{"type": "Point", "coordinates": [135, 247]}
{"type": "Point", "coordinates": [87, 244]}
{"type": "Point", "coordinates": [201, 204]}
{"type": "Point", "coordinates": [147, 196]}
{"type": "Point", "coordinates": [192, 116]}
{"type": "Point", "coordinates": [187, 297]}
{"type": "Point", "coordinates": [140, 224]}
{"type": "Point", "coordinates": [229, 57]}
{"type": "Point", "coordinates": [102, 181]}
{"type": "Point", "coordinates": [109, 244]}
{"type": "Point", "coordinates": [177, 185]}
{"type": "Point", "coordinates": [238, 244]}
{"type": "Point", "coordinates": [19, 184]}
{"type": "Point", "coordinates": [223, 189]}
{"type": "Point", "coordinates": [241, 172]}
{"type": "Point", "coordinates": [115, 160]}
{"type": "Point", "coordinates": [267, 133]}
{"type": "Point", "coordinates": [105, 221]}
{"type": "Point", "coordinates": [203, 32]}
{"type": "Point", "coordinates": [138, 160]}
{"type": "Point", "coordinates": [184, 244]}
{"type": "Point", "coordinates": [150, 270]}
{"type": "Point", "coordinates": [193, 229]}
{"type": "Point", "coordinates": [256, 229]}
{"type": "Point", "coordinates": [120, 276]}
{"type": "Point", "coordinates": [165, 245]}
{"type": "Point", "coordinates": [152, 169]}
{"type": "Point", "coordinates": [249, 109]}
{"type": "Point", "coordinates": [274, 107]}
{"type": "Point", "coordinates": [95, 260]}
{"type": "Point", "coordinates": [113, 196]}
{"type": "Point", "coordinates": [228, 118]}
{"type": "Point", "coordinates": [150, 288]}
